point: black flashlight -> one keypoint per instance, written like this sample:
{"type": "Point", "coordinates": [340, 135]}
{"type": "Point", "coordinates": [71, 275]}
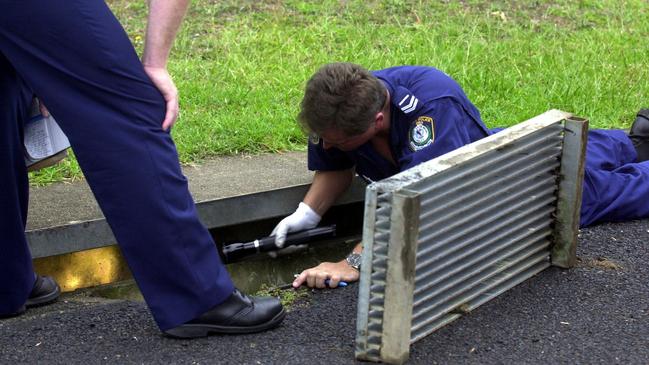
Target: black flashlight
{"type": "Point", "coordinates": [237, 251]}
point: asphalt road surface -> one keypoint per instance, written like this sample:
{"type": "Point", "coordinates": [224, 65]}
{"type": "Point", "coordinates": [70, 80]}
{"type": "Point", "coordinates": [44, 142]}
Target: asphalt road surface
{"type": "Point", "coordinates": [595, 313]}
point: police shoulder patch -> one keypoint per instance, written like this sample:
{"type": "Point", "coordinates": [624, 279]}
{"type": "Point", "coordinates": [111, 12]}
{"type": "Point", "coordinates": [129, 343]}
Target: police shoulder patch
{"type": "Point", "coordinates": [422, 133]}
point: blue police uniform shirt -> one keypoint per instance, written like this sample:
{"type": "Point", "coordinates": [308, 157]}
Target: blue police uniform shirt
{"type": "Point", "coordinates": [430, 115]}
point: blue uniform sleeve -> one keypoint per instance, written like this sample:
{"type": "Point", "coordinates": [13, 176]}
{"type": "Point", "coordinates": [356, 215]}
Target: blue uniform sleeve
{"type": "Point", "coordinates": [331, 159]}
{"type": "Point", "coordinates": [450, 127]}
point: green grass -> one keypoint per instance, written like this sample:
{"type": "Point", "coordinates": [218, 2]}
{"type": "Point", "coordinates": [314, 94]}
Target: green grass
{"type": "Point", "coordinates": [241, 66]}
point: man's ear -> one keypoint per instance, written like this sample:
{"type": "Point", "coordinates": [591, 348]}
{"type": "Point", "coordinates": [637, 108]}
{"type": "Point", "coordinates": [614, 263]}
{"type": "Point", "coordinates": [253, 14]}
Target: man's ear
{"type": "Point", "coordinates": [379, 120]}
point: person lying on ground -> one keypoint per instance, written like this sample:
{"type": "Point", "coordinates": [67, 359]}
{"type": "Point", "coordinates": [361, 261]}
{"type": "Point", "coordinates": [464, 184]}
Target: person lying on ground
{"type": "Point", "coordinates": [379, 123]}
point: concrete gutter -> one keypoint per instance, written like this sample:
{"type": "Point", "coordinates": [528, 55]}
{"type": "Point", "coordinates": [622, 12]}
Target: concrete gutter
{"type": "Point", "coordinates": [64, 218]}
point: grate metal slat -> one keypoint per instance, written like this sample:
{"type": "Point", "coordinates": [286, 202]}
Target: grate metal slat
{"type": "Point", "coordinates": [476, 268]}
{"type": "Point", "coordinates": [492, 220]}
{"type": "Point", "coordinates": [462, 212]}
{"type": "Point", "coordinates": [435, 268]}
{"type": "Point", "coordinates": [511, 279]}
{"type": "Point", "coordinates": [466, 243]}
{"type": "Point", "coordinates": [443, 201]}
{"type": "Point", "coordinates": [457, 181]}
{"type": "Point", "coordinates": [490, 277]}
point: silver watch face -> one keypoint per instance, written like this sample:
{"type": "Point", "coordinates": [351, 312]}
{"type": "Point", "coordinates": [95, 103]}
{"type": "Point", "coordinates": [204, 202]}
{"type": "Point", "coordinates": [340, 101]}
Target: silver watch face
{"type": "Point", "coordinates": [354, 260]}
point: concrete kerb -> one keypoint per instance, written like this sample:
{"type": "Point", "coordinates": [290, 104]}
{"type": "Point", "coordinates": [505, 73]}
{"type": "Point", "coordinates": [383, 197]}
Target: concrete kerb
{"type": "Point", "coordinates": [223, 177]}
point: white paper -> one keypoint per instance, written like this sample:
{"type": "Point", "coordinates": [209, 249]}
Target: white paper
{"type": "Point", "coordinates": [38, 144]}
{"type": "Point", "coordinates": [43, 137]}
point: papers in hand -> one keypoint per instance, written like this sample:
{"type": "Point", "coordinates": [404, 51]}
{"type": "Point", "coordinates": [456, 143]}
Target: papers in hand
{"type": "Point", "coordinates": [45, 143]}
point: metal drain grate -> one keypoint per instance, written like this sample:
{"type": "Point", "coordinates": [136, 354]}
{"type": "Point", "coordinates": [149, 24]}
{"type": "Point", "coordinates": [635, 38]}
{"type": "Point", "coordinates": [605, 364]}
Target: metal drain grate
{"type": "Point", "coordinates": [449, 235]}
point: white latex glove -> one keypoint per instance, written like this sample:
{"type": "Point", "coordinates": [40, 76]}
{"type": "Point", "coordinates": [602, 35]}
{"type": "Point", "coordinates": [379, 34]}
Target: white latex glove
{"type": "Point", "coordinates": [303, 218]}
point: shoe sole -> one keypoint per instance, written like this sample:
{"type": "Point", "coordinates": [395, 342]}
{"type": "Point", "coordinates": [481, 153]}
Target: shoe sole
{"type": "Point", "coordinates": [204, 330]}
{"type": "Point", "coordinates": [35, 302]}
{"type": "Point", "coordinates": [43, 299]}
{"type": "Point", "coordinates": [15, 314]}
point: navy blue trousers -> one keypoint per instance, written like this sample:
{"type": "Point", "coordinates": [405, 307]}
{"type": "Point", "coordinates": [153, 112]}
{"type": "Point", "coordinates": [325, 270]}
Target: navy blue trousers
{"type": "Point", "coordinates": [616, 187]}
{"type": "Point", "coordinates": [75, 56]}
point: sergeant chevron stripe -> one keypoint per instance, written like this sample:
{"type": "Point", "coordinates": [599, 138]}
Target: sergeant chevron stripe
{"type": "Point", "coordinates": [412, 104]}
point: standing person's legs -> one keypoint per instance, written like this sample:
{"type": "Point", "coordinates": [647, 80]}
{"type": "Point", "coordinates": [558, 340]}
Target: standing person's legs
{"type": "Point", "coordinates": [16, 272]}
{"type": "Point", "coordinates": [76, 57]}
{"type": "Point", "coordinates": [615, 187]}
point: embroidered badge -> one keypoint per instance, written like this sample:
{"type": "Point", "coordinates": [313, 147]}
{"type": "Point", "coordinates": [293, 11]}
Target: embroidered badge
{"type": "Point", "coordinates": [422, 133]}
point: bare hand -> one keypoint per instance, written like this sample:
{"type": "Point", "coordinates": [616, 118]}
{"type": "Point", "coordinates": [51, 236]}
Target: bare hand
{"type": "Point", "coordinates": [44, 112]}
{"type": "Point", "coordinates": [162, 80]}
{"type": "Point", "coordinates": [334, 271]}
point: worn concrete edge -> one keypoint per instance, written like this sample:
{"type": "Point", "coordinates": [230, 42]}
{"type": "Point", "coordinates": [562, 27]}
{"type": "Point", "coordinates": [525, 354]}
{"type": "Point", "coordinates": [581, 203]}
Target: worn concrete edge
{"type": "Point", "coordinates": [245, 208]}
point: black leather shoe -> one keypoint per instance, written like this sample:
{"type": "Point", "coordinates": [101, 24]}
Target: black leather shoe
{"type": "Point", "coordinates": [639, 135]}
{"type": "Point", "coordinates": [45, 291]}
{"type": "Point", "coordinates": [237, 314]}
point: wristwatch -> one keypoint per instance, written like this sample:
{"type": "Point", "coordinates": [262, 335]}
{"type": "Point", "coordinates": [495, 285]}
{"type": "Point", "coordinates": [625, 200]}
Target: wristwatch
{"type": "Point", "coordinates": [354, 260]}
